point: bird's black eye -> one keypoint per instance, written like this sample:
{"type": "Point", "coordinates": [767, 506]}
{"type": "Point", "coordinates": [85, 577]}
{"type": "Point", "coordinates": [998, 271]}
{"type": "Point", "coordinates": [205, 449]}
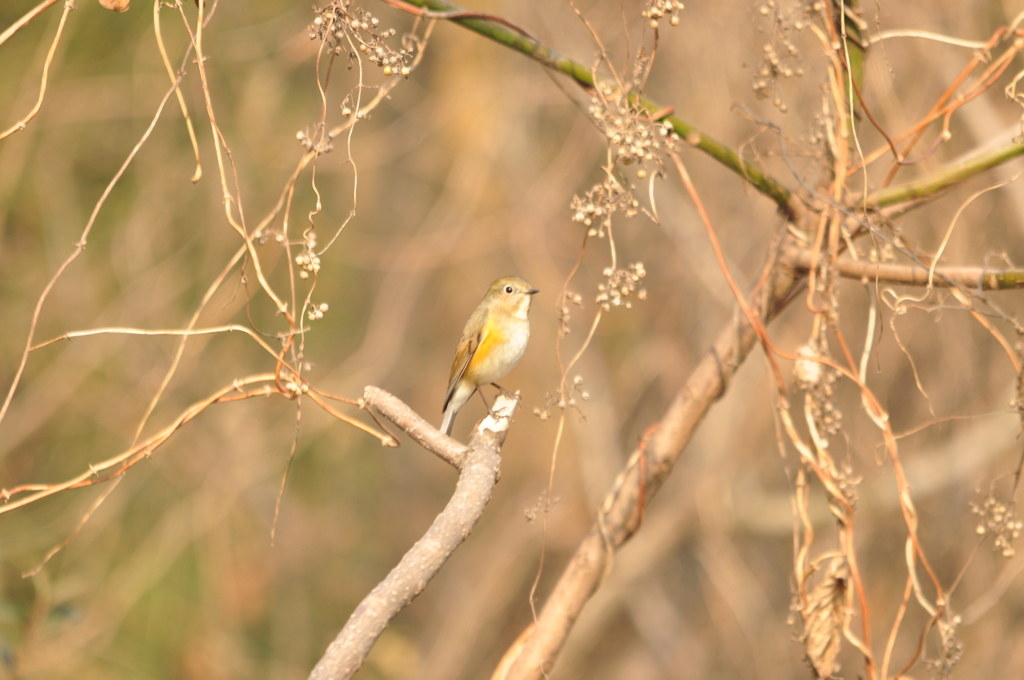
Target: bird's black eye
{"type": "Point", "coordinates": [508, 289]}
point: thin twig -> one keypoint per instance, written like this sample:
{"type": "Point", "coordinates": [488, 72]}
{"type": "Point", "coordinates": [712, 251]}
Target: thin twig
{"type": "Point", "coordinates": [385, 439]}
{"type": "Point", "coordinates": [20, 125]}
{"type": "Point", "coordinates": [79, 247]}
{"type": "Point", "coordinates": [226, 328]}
{"type": "Point", "coordinates": [117, 465]}
{"type": "Point", "coordinates": [197, 175]}
{"type": "Point", "coordinates": [27, 17]}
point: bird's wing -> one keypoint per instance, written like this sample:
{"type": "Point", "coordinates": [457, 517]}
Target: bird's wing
{"type": "Point", "coordinates": [463, 355]}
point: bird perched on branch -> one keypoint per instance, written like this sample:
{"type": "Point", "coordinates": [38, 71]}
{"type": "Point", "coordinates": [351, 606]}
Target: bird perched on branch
{"type": "Point", "coordinates": [492, 343]}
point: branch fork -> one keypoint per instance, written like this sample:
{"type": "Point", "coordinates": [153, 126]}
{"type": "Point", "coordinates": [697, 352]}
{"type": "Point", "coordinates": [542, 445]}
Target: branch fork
{"type": "Point", "coordinates": [479, 468]}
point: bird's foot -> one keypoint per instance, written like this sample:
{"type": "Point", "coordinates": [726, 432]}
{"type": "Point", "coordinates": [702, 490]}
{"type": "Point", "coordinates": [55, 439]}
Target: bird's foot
{"type": "Point", "coordinates": [506, 393]}
{"type": "Point", "coordinates": [481, 393]}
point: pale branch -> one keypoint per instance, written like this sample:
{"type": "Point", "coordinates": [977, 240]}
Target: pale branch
{"type": "Point", "coordinates": [499, 30]}
{"type": "Point", "coordinates": [478, 474]}
{"type": "Point", "coordinates": [648, 468]}
{"type": "Point", "coordinates": [21, 124]}
{"type": "Point", "coordinates": [422, 432]}
{"type": "Point", "coordinates": [912, 273]}
{"type": "Point", "coordinates": [27, 17]}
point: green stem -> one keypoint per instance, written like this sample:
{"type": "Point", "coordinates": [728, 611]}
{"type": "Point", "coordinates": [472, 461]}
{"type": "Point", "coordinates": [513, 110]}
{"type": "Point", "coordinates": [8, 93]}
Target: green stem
{"type": "Point", "coordinates": [855, 41]}
{"type": "Point", "coordinates": [504, 34]}
{"type": "Point", "coordinates": [945, 178]}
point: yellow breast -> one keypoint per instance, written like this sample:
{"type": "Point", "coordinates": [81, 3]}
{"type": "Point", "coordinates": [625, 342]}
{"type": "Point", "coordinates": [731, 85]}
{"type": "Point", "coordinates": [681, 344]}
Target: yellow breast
{"type": "Point", "coordinates": [501, 347]}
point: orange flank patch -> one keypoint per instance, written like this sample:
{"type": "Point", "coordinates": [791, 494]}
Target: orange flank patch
{"type": "Point", "coordinates": [492, 337]}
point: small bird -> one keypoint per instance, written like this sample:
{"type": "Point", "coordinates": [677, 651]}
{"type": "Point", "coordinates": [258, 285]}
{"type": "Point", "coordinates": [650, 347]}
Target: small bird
{"type": "Point", "coordinates": [492, 343]}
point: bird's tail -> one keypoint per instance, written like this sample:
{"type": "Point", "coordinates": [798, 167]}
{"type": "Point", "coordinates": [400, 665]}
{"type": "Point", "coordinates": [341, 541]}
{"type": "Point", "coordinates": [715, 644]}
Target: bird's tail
{"type": "Point", "coordinates": [457, 398]}
{"type": "Point", "coordinates": [448, 423]}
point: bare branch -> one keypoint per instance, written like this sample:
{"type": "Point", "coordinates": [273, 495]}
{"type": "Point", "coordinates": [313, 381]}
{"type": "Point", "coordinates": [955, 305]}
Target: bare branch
{"type": "Point", "coordinates": [116, 466]}
{"type": "Point", "coordinates": [422, 432]}
{"type": "Point", "coordinates": [914, 274]}
{"type": "Point", "coordinates": [27, 17]}
{"type": "Point", "coordinates": [20, 125]}
{"type": "Point", "coordinates": [479, 473]}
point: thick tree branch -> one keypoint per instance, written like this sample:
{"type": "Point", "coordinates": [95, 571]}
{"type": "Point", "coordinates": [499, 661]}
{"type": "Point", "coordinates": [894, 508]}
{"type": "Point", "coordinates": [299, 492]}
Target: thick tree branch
{"type": "Point", "coordinates": [479, 472]}
{"type": "Point", "coordinates": [646, 471]}
{"type": "Point", "coordinates": [913, 274]}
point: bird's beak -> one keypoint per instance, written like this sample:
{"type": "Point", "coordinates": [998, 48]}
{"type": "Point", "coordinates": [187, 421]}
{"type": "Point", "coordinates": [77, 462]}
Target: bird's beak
{"type": "Point", "coordinates": [532, 291]}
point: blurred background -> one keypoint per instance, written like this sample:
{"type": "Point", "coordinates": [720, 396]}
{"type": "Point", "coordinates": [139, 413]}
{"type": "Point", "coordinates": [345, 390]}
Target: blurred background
{"type": "Point", "coordinates": [466, 173]}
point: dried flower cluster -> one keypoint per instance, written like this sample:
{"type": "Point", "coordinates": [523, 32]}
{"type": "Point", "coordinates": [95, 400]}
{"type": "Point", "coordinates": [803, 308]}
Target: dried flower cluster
{"type": "Point", "coordinates": [633, 136]}
{"type": "Point", "coordinates": [543, 506]}
{"type": "Point", "coordinates": [819, 381]}
{"type": "Point", "coordinates": [296, 388]}
{"type": "Point", "coordinates": [620, 284]}
{"type": "Point", "coordinates": [886, 252]}
{"type": "Point", "coordinates": [564, 314]}
{"type": "Point", "coordinates": [316, 312]}
{"type": "Point", "coordinates": [952, 648]}
{"type": "Point", "coordinates": [266, 235]}
{"type": "Point", "coordinates": [780, 57]}
{"type": "Point", "coordinates": [347, 108]}
{"type": "Point", "coordinates": [656, 10]}
{"type": "Point", "coordinates": [577, 384]}
{"type": "Point", "coordinates": [345, 29]}
{"type": "Point", "coordinates": [596, 207]}
{"type": "Point", "coordinates": [563, 398]}
{"type": "Point", "coordinates": [550, 399]}
{"type": "Point", "coordinates": [308, 260]}
{"type": "Point", "coordinates": [1000, 519]}
{"type": "Point", "coordinates": [312, 138]}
